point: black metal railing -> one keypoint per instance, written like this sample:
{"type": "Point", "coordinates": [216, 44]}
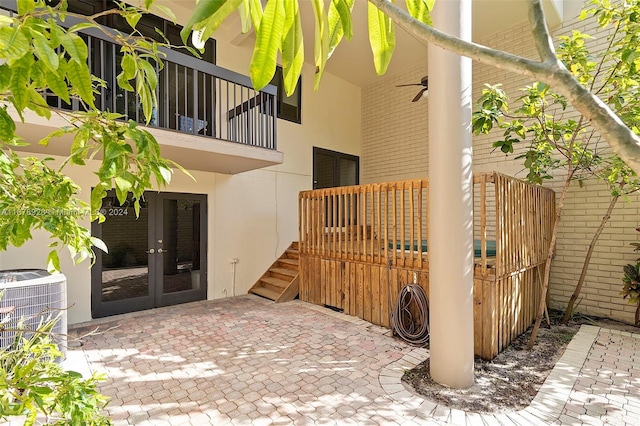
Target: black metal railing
{"type": "Point", "coordinates": [194, 96]}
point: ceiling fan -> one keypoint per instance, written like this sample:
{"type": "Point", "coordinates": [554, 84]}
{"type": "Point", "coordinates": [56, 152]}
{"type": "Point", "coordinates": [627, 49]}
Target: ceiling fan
{"type": "Point", "coordinates": [424, 82]}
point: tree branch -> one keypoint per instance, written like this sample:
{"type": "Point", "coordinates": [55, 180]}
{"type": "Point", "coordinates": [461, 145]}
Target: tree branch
{"type": "Point", "coordinates": [622, 139]}
{"type": "Point", "coordinates": [483, 54]}
{"type": "Point", "coordinates": [541, 36]}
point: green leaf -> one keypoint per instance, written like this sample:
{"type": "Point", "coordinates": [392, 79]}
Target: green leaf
{"type": "Point", "coordinates": [6, 21]}
{"type": "Point", "coordinates": [245, 16]}
{"type": "Point", "coordinates": [382, 38]}
{"type": "Point", "coordinates": [5, 76]}
{"type": "Point", "coordinates": [55, 134]}
{"type": "Point", "coordinates": [58, 86]}
{"type": "Point", "coordinates": [43, 50]}
{"type": "Point", "coordinates": [421, 10]}
{"type": "Point", "coordinates": [53, 262]}
{"type": "Point", "coordinates": [256, 13]}
{"type": "Point", "coordinates": [132, 17]}
{"type": "Point", "coordinates": [292, 47]}
{"type": "Point", "coordinates": [80, 140]}
{"type": "Point", "coordinates": [339, 22]}
{"type": "Point", "coordinates": [150, 73]}
{"type": "Point", "coordinates": [167, 11]}
{"type": "Point", "coordinates": [321, 41]}
{"type": "Point", "coordinates": [75, 47]}
{"type": "Point", "coordinates": [7, 125]}
{"type": "Point", "coordinates": [147, 98]}
{"type": "Point", "coordinates": [123, 184]}
{"type": "Point", "coordinates": [268, 41]}
{"type": "Point", "coordinates": [344, 8]}
{"type": "Point", "coordinates": [129, 67]}
{"type": "Point", "coordinates": [210, 14]}
{"type": "Point", "coordinates": [148, 4]}
{"type": "Point", "coordinates": [166, 174]}
{"type": "Point", "coordinates": [38, 104]}
{"type": "Point", "coordinates": [20, 79]}
{"type": "Point", "coordinates": [97, 194]}
{"type": "Point", "coordinates": [26, 6]}
{"type": "Point", "coordinates": [13, 42]}
{"type": "Point", "coordinates": [42, 390]}
{"type": "Point", "coordinates": [80, 77]}
{"type": "Point", "coordinates": [112, 151]}
{"type": "Point", "coordinates": [82, 26]}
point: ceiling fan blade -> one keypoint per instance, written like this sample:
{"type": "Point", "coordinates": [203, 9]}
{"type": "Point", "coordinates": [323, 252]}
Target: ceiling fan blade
{"type": "Point", "coordinates": [410, 84]}
{"type": "Point", "coordinates": [419, 95]}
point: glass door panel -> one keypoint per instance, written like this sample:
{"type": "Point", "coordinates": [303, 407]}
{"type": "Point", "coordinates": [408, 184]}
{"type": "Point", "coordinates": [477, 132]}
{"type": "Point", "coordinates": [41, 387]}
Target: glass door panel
{"type": "Point", "coordinates": [178, 245]}
{"type": "Point", "coordinates": [181, 236]}
{"type": "Point", "coordinates": [121, 279]}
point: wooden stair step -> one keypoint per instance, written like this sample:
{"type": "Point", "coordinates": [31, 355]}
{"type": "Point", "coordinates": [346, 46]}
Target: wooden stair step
{"type": "Point", "coordinates": [276, 282]}
{"type": "Point", "coordinates": [265, 292]}
{"type": "Point", "coordinates": [281, 281]}
{"type": "Point", "coordinates": [284, 271]}
{"type": "Point", "coordinates": [289, 262]}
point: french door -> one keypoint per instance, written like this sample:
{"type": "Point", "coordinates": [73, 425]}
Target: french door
{"type": "Point", "coordinates": [156, 259]}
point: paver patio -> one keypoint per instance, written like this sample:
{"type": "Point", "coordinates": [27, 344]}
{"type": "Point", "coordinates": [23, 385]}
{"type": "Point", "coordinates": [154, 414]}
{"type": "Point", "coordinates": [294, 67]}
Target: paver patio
{"type": "Point", "coordinates": [249, 361]}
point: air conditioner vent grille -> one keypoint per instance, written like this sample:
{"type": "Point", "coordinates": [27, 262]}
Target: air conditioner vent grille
{"type": "Point", "coordinates": [35, 300]}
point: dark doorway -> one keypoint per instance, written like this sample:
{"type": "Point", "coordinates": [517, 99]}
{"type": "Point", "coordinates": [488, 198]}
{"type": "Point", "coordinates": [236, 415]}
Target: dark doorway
{"type": "Point", "coordinates": [157, 259]}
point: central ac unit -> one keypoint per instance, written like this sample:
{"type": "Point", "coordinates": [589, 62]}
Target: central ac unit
{"type": "Point", "coordinates": [35, 295]}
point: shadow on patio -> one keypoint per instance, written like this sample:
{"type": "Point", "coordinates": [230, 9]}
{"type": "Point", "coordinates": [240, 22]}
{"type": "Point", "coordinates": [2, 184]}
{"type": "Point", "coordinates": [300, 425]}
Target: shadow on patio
{"type": "Point", "coordinates": [244, 360]}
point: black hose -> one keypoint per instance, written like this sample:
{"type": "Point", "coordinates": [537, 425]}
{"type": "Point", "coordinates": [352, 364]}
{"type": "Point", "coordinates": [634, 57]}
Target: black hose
{"type": "Point", "coordinates": [412, 330]}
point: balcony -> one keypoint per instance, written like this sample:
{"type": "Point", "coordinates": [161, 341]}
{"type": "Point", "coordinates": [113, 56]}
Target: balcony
{"type": "Point", "coordinates": [208, 118]}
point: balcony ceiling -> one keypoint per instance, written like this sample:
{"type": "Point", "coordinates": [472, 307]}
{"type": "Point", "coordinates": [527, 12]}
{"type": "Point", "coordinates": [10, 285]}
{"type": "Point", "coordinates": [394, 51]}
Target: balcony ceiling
{"type": "Point", "coordinates": [352, 61]}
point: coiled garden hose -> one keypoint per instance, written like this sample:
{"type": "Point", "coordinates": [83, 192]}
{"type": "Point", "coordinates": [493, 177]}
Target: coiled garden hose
{"type": "Point", "coordinates": [413, 330]}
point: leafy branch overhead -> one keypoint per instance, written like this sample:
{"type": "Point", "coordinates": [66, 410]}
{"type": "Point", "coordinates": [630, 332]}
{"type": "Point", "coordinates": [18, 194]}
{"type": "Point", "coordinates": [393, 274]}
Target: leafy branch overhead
{"type": "Point", "coordinates": [335, 22]}
{"type": "Point", "coordinates": [42, 55]}
{"type": "Point", "coordinates": [278, 30]}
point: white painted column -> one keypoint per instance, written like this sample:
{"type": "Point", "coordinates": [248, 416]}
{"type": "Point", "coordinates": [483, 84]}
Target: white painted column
{"type": "Point", "coordinates": [451, 202]}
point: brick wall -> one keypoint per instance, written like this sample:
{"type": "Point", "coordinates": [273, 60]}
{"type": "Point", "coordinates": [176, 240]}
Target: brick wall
{"type": "Point", "coordinates": [395, 133]}
{"type": "Point", "coordinates": [394, 129]}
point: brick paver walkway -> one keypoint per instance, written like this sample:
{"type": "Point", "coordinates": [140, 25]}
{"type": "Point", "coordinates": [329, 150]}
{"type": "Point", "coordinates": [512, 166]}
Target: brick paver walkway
{"type": "Point", "coordinates": [608, 388]}
{"type": "Point", "coordinates": [245, 361]}
{"type": "Point", "coordinates": [249, 361]}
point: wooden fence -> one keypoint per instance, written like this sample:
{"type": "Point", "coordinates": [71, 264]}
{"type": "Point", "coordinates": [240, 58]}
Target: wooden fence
{"type": "Point", "coordinates": [359, 245]}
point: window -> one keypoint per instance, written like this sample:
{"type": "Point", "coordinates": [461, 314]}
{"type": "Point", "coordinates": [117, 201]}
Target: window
{"type": "Point", "coordinates": [331, 169]}
{"type": "Point", "coordinates": [289, 107]}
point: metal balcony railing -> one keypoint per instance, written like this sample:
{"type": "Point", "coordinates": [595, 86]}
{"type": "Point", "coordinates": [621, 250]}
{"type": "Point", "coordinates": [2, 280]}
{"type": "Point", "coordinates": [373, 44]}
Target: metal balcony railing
{"type": "Point", "coordinates": [194, 96]}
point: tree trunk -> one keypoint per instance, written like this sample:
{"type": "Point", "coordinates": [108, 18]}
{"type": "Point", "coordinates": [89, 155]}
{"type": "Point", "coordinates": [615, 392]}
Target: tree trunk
{"type": "Point", "coordinates": [587, 261]}
{"type": "Point", "coordinates": [547, 265]}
